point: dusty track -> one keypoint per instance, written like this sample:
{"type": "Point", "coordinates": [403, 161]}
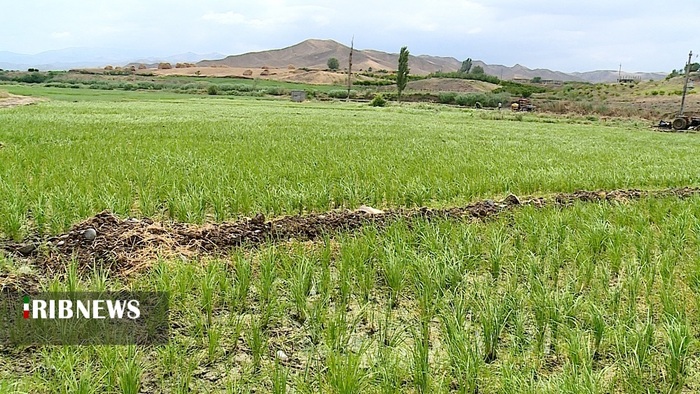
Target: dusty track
{"type": "Point", "coordinates": [125, 246]}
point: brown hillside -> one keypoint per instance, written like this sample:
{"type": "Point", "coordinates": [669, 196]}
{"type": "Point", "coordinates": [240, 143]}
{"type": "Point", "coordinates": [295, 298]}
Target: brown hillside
{"type": "Point", "coordinates": [315, 54]}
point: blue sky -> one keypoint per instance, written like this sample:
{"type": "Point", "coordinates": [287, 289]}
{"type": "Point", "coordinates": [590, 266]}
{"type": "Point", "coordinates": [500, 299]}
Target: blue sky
{"type": "Point", "coordinates": [561, 35]}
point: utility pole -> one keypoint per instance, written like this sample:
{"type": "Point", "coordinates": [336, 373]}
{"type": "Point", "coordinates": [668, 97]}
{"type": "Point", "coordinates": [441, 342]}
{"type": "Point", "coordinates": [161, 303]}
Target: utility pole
{"type": "Point", "coordinates": [352, 45]}
{"type": "Point", "coordinates": [687, 77]}
{"type": "Point", "coordinates": [619, 74]}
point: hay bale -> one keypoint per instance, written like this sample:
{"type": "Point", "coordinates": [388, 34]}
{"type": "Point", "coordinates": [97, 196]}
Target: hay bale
{"type": "Point", "coordinates": [180, 65]}
{"type": "Point", "coordinates": [265, 67]}
{"type": "Point", "coordinates": [109, 68]}
{"type": "Point", "coordinates": [248, 73]}
{"type": "Point", "coordinates": [291, 67]}
{"type": "Point", "coordinates": [265, 73]}
{"type": "Point", "coordinates": [142, 67]}
{"type": "Point", "coordinates": [164, 66]}
{"type": "Point", "coordinates": [190, 65]}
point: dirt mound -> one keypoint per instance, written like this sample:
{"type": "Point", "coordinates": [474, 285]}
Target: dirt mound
{"type": "Point", "coordinates": [128, 245]}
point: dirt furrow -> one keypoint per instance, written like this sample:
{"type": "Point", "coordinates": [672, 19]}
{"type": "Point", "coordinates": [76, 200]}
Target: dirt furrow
{"type": "Point", "coordinates": [124, 246]}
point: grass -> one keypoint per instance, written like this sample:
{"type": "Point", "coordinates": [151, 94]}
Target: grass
{"type": "Point", "coordinates": [198, 159]}
{"type": "Point", "coordinates": [593, 297]}
{"type": "Point", "coordinates": [441, 335]}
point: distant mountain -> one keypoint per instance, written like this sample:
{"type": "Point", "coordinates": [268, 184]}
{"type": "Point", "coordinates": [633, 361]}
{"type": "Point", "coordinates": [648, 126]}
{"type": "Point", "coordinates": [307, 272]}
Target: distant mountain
{"type": "Point", "coordinates": [69, 58]}
{"type": "Point", "coordinates": [522, 72]}
{"type": "Point", "coordinates": [311, 53]}
{"type": "Point", "coordinates": [613, 75]}
{"type": "Point", "coordinates": [314, 53]}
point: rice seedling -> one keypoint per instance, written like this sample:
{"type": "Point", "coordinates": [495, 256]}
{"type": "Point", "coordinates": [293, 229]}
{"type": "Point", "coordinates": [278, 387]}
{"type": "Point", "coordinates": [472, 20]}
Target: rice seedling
{"type": "Point", "coordinates": [130, 376]}
{"type": "Point", "coordinates": [280, 376]}
{"type": "Point", "coordinates": [679, 341]}
{"type": "Point", "coordinates": [301, 281]}
{"type": "Point", "coordinates": [256, 339]}
{"type": "Point", "coordinates": [584, 297]}
{"type": "Point", "coordinates": [241, 283]}
{"type": "Point", "coordinates": [465, 360]}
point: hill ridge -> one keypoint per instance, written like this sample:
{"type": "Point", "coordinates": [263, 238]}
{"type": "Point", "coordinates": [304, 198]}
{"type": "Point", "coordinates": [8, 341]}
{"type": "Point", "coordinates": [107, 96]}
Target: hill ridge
{"type": "Point", "coordinates": [315, 52]}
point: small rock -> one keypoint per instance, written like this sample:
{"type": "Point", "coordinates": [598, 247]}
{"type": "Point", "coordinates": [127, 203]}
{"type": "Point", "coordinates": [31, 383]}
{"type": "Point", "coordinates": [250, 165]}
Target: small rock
{"type": "Point", "coordinates": [60, 243]}
{"type": "Point", "coordinates": [512, 199]}
{"type": "Point", "coordinates": [282, 356]}
{"type": "Point", "coordinates": [24, 270]}
{"type": "Point", "coordinates": [258, 219]}
{"type": "Point", "coordinates": [90, 234]}
{"type": "Point", "coordinates": [26, 249]}
{"type": "Point", "coordinates": [370, 210]}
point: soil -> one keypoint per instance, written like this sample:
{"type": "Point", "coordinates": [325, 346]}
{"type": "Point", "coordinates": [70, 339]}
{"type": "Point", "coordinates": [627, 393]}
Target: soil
{"type": "Point", "coordinates": [126, 246]}
{"type": "Point", "coordinates": [13, 101]}
{"type": "Point", "coordinates": [315, 77]}
{"type": "Point", "coordinates": [450, 85]}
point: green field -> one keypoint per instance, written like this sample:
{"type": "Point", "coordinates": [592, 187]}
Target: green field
{"type": "Point", "coordinates": [595, 297]}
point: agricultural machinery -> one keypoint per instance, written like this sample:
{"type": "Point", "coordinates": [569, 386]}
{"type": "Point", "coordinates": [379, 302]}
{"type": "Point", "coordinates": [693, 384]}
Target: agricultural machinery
{"type": "Point", "coordinates": [681, 121]}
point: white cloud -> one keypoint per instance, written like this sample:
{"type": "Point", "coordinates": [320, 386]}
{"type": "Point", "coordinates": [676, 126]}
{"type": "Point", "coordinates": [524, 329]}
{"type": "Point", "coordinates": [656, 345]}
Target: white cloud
{"type": "Point", "coordinates": [225, 18]}
{"type": "Point", "coordinates": [60, 34]}
{"type": "Point", "coordinates": [571, 35]}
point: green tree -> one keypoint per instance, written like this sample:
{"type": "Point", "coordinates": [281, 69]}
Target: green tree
{"type": "Point", "coordinates": [402, 73]}
{"type": "Point", "coordinates": [466, 66]}
{"type": "Point", "coordinates": [333, 64]}
{"type": "Point", "coordinates": [536, 80]}
{"type": "Point", "coordinates": [478, 70]}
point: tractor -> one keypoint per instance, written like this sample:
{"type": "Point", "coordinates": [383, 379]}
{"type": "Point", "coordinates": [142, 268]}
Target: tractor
{"type": "Point", "coordinates": [681, 121]}
{"type": "Point", "coordinates": [522, 105]}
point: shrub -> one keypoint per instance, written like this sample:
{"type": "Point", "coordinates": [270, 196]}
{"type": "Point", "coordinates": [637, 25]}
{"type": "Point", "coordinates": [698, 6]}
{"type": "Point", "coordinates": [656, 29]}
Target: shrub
{"type": "Point", "coordinates": [212, 90]}
{"type": "Point", "coordinates": [378, 101]}
{"type": "Point", "coordinates": [34, 77]}
{"type": "Point", "coordinates": [341, 93]}
{"type": "Point", "coordinates": [276, 91]}
{"type": "Point", "coordinates": [447, 97]}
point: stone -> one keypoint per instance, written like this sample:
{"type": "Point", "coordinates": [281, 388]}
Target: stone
{"type": "Point", "coordinates": [26, 249]}
{"type": "Point", "coordinates": [90, 234]}
{"type": "Point", "coordinates": [281, 355]}
{"type": "Point", "coordinates": [369, 210]}
{"type": "Point", "coordinates": [512, 199]}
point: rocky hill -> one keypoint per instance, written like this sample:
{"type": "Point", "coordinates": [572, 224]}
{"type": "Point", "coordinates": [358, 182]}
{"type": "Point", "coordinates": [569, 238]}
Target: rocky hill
{"type": "Point", "coordinates": [315, 53]}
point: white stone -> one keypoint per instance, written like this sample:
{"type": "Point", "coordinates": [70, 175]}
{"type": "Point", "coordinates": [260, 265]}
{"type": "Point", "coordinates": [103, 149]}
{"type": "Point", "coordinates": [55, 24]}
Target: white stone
{"type": "Point", "coordinates": [282, 356]}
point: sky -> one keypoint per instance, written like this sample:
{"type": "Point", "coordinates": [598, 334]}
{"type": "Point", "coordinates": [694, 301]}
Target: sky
{"type": "Point", "coordinates": [563, 35]}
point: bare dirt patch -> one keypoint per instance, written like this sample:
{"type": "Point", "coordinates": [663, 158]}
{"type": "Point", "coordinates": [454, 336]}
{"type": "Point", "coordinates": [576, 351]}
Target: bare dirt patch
{"type": "Point", "coordinates": [125, 246]}
{"type": "Point", "coordinates": [316, 77]}
{"type": "Point", "coordinates": [11, 100]}
{"type": "Point", "coordinates": [451, 85]}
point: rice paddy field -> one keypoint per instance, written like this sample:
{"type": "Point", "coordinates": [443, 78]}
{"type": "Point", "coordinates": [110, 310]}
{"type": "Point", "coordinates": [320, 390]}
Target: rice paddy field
{"type": "Point", "coordinates": [588, 295]}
